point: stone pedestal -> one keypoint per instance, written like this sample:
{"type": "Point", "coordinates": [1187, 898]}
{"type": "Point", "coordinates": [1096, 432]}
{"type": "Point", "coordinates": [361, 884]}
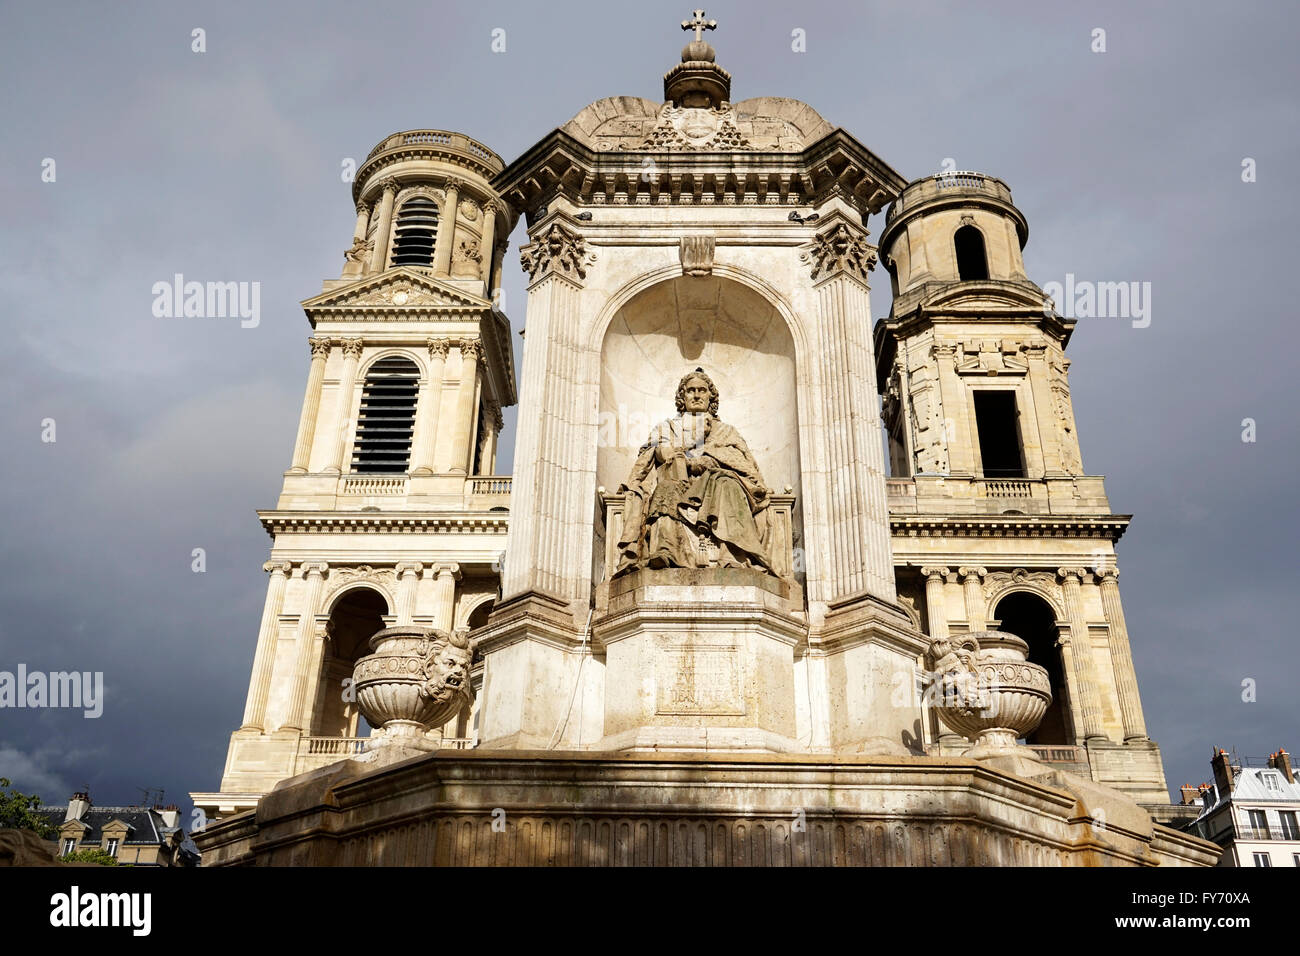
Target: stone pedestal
{"type": "Point", "coordinates": [699, 660]}
{"type": "Point", "coordinates": [512, 808]}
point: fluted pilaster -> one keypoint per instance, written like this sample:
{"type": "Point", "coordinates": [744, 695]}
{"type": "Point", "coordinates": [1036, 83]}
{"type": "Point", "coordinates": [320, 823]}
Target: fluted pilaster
{"type": "Point", "coordinates": [314, 573]}
{"type": "Point", "coordinates": [320, 349]}
{"type": "Point", "coordinates": [264, 658]}
{"type": "Point", "coordinates": [1085, 686]}
{"type": "Point", "coordinates": [1121, 654]}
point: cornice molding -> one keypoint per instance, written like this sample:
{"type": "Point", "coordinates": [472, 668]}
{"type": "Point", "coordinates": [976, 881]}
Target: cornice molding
{"type": "Point", "coordinates": [353, 522]}
{"type": "Point", "coordinates": [1007, 526]}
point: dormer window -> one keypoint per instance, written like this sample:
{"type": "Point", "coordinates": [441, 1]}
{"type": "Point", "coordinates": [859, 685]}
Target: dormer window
{"type": "Point", "coordinates": [415, 232]}
{"type": "Point", "coordinates": [972, 262]}
{"type": "Point", "coordinates": [69, 846]}
{"type": "Point", "coordinates": [112, 847]}
{"type": "Point", "coordinates": [1272, 782]}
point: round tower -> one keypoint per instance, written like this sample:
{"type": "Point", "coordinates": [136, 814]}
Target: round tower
{"type": "Point", "coordinates": [953, 227]}
{"type": "Point", "coordinates": [424, 201]}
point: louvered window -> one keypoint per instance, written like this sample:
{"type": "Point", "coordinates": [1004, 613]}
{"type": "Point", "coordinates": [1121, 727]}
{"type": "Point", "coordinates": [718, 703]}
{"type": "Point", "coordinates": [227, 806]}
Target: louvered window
{"type": "Point", "coordinates": [415, 232]}
{"type": "Point", "coordinates": [387, 418]}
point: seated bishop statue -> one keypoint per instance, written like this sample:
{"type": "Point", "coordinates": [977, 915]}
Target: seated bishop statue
{"type": "Point", "coordinates": [695, 498]}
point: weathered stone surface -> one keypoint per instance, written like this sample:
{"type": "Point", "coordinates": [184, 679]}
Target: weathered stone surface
{"type": "Point", "coordinates": [480, 808]}
{"type": "Point", "coordinates": [26, 848]}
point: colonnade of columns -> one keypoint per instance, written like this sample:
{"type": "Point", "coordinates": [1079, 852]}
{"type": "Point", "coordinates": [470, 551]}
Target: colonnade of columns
{"type": "Point", "coordinates": [461, 449]}
{"type": "Point", "coordinates": [1074, 641]}
{"type": "Point", "coordinates": [384, 211]}
{"type": "Point", "coordinates": [310, 637]}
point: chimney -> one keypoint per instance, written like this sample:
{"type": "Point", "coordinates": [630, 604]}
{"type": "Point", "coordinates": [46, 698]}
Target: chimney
{"type": "Point", "coordinates": [1207, 795]}
{"type": "Point", "coordinates": [77, 806]}
{"type": "Point", "coordinates": [1223, 775]}
{"type": "Point", "coordinates": [1190, 794]}
{"type": "Point", "coordinates": [171, 814]}
{"type": "Point", "coordinates": [1282, 761]}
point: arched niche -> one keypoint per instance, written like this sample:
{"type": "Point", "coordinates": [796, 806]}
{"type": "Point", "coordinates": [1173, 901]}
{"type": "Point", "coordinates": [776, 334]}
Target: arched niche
{"type": "Point", "coordinates": [1031, 618]}
{"type": "Point", "coordinates": [731, 331]}
{"type": "Point", "coordinates": [355, 615]}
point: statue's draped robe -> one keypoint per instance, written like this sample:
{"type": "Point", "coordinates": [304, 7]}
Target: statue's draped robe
{"type": "Point", "coordinates": [672, 518]}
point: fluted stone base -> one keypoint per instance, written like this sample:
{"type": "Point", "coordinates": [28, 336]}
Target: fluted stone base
{"type": "Point", "coordinates": [495, 808]}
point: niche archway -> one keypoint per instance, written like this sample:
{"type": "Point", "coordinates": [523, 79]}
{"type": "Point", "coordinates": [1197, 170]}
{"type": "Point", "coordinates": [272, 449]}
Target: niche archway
{"type": "Point", "coordinates": [738, 337]}
{"type": "Point", "coordinates": [1032, 619]}
{"type": "Point", "coordinates": [355, 616]}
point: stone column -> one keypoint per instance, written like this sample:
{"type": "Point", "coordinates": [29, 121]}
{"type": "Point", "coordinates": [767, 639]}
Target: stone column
{"type": "Point", "coordinates": [956, 429]}
{"type": "Point", "coordinates": [1070, 701]}
{"type": "Point", "coordinates": [471, 351]}
{"type": "Point", "coordinates": [320, 350]}
{"type": "Point", "coordinates": [442, 244]}
{"type": "Point", "coordinates": [498, 258]}
{"type": "Point", "coordinates": [363, 220]}
{"type": "Point", "coordinates": [935, 615]}
{"type": "Point", "coordinates": [1085, 686]}
{"type": "Point", "coordinates": [343, 410]}
{"type": "Point", "coordinates": [408, 573]}
{"type": "Point", "coordinates": [264, 658]}
{"type": "Point", "coordinates": [425, 441]}
{"type": "Point", "coordinates": [384, 228]}
{"type": "Point", "coordinates": [549, 546]}
{"type": "Point", "coordinates": [444, 595]}
{"type": "Point", "coordinates": [302, 676]}
{"type": "Point", "coordinates": [487, 245]}
{"type": "Point", "coordinates": [852, 479]}
{"type": "Point", "coordinates": [488, 459]}
{"type": "Point", "coordinates": [1130, 705]}
{"type": "Point", "coordinates": [972, 591]}
{"type": "Point", "coordinates": [1041, 389]}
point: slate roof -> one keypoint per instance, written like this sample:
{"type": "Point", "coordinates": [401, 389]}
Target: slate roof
{"type": "Point", "coordinates": [1249, 787]}
{"type": "Point", "coordinates": [146, 825]}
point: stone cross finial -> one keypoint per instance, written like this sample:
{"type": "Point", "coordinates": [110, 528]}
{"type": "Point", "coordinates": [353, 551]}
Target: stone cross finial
{"type": "Point", "coordinates": [699, 25]}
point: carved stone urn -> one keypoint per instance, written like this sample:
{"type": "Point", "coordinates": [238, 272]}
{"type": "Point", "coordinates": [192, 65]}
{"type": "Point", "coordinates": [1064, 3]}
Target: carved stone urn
{"type": "Point", "coordinates": [983, 687]}
{"type": "Point", "coordinates": [415, 679]}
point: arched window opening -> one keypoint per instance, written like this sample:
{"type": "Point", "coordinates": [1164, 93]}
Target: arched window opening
{"type": "Point", "coordinates": [972, 263]}
{"type": "Point", "coordinates": [387, 418]}
{"type": "Point", "coordinates": [1032, 620]}
{"type": "Point", "coordinates": [479, 616]}
{"type": "Point", "coordinates": [354, 619]}
{"type": "Point", "coordinates": [415, 232]}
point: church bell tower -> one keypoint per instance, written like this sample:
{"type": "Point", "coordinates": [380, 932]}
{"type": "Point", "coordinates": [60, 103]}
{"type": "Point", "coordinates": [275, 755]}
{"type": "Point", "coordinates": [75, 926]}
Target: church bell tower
{"type": "Point", "coordinates": [995, 523]}
{"type": "Point", "coordinates": [392, 511]}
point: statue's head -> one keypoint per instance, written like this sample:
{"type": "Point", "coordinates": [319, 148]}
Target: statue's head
{"type": "Point", "coordinates": [697, 393]}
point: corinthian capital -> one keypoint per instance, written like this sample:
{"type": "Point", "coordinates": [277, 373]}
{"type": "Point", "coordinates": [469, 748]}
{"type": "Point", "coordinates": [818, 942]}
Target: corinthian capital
{"type": "Point", "coordinates": [320, 346]}
{"type": "Point", "coordinates": [438, 348]}
{"type": "Point", "coordinates": [352, 347]}
{"type": "Point", "coordinates": [471, 348]}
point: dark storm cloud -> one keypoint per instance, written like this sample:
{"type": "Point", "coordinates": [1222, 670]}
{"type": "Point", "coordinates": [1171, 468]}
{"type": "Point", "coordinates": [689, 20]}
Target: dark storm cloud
{"type": "Point", "coordinates": [225, 165]}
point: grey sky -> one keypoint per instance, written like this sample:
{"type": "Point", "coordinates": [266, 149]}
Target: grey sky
{"type": "Point", "coordinates": [226, 165]}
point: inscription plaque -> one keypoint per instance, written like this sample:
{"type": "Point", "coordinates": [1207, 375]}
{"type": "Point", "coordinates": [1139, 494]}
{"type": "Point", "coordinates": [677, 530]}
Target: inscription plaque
{"type": "Point", "coordinates": [698, 679]}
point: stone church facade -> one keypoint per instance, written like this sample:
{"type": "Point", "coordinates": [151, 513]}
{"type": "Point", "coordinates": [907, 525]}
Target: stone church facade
{"type": "Point", "coordinates": [924, 482]}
